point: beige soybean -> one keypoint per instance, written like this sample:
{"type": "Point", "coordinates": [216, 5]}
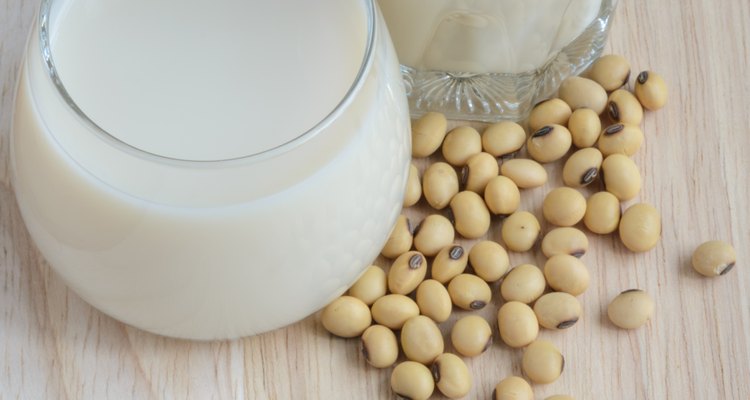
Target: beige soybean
{"type": "Point", "coordinates": [470, 214]}
{"type": "Point", "coordinates": [524, 173]}
{"type": "Point", "coordinates": [421, 339]}
{"type": "Point", "coordinates": [621, 176]}
{"type": "Point", "coordinates": [567, 274]}
{"type": "Point", "coordinates": [460, 144]}
{"type": "Point", "coordinates": [439, 184]}
{"type": "Point", "coordinates": [412, 380]}
{"type": "Point", "coordinates": [551, 111]}
{"type": "Point", "coordinates": [471, 335]}
{"type": "Point", "coordinates": [427, 134]}
{"type": "Point", "coordinates": [346, 317]}
{"type": "Point", "coordinates": [400, 239]}
{"type": "Point", "coordinates": [392, 310]}
{"type": "Point", "coordinates": [584, 126]}
{"type": "Point", "coordinates": [432, 234]}
{"type": "Point", "coordinates": [413, 191]}
{"type": "Point", "coordinates": [560, 397]}
{"type": "Point", "coordinates": [582, 167]}
{"type": "Point", "coordinates": [549, 143]}
{"type": "Point", "coordinates": [489, 260]}
{"type": "Point", "coordinates": [524, 283]}
{"type": "Point", "coordinates": [602, 213]}
{"type": "Point", "coordinates": [651, 90]}
{"type": "Point", "coordinates": [542, 362]}
{"type": "Point", "coordinates": [640, 227]}
{"type": "Point", "coordinates": [501, 195]}
{"type": "Point", "coordinates": [623, 107]}
{"type": "Point", "coordinates": [469, 292]}
{"type": "Point", "coordinates": [434, 301]}
{"type": "Point", "coordinates": [379, 346]}
{"type": "Point", "coordinates": [631, 309]}
{"type": "Point", "coordinates": [503, 139]}
{"type": "Point", "coordinates": [407, 272]}
{"type": "Point", "coordinates": [451, 375]}
{"type": "Point", "coordinates": [557, 310]}
{"type": "Point", "coordinates": [564, 206]}
{"type": "Point", "coordinates": [581, 92]}
{"type": "Point", "coordinates": [517, 324]}
{"type": "Point", "coordinates": [565, 240]}
{"type": "Point", "coordinates": [513, 388]}
{"type": "Point", "coordinates": [449, 262]}
{"type": "Point", "coordinates": [610, 71]}
{"type": "Point", "coordinates": [478, 171]}
{"type": "Point", "coordinates": [620, 139]}
{"type": "Point", "coordinates": [520, 231]}
{"type": "Point", "coordinates": [371, 286]}
{"type": "Point", "coordinates": [712, 258]}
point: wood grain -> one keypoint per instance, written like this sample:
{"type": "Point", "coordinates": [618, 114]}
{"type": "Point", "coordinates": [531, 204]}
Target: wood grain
{"type": "Point", "coordinates": [697, 346]}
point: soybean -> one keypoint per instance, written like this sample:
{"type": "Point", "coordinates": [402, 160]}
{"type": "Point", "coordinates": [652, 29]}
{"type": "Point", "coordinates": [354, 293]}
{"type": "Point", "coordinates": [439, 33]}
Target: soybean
{"type": "Point", "coordinates": [712, 258]}
{"type": "Point", "coordinates": [489, 260]}
{"type": "Point", "coordinates": [564, 206]}
{"type": "Point", "coordinates": [524, 283]}
{"type": "Point", "coordinates": [584, 126]}
{"type": "Point", "coordinates": [412, 380]}
{"type": "Point", "coordinates": [449, 262]}
{"type": "Point", "coordinates": [631, 309]}
{"type": "Point", "coordinates": [433, 300]}
{"type": "Point", "coordinates": [565, 240]}
{"type": "Point", "coordinates": [432, 234]}
{"type": "Point", "coordinates": [524, 173]}
{"type": "Point", "coordinates": [451, 375]}
{"type": "Point", "coordinates": [610, 71]}
{"type": "Point", "coordinates": [542, 362]}
{"type": "Point", "coordinates": [651, 90]}
{"type": "Point", "coordinates": [517, 324]}
{"type": "Point", "coordinates": [581, 92]}
{"type": "Point", "coordinates": [478, 171]}
{"type": "Point", "coordinates": [567, 274]}
{"type": "Point", "coordinates": [407, 272]}
{"type": "Point", "coordinates": [623, 107]}
{"type": "Point", "coordinates": [620, 138]}
{"type": "Point", "coordinates": [549, 143]}
{"type": "Point", "coordinates": [551, 111]}
{"type": "Point", "coordinates": [469, 292]}
{"type": "Point", "coordinates": [471, 335]}
{"type": "Point", "coordinates": [640, 227]}
{"type": "Point", "coordinates": [413, 191]}
{"type": "Point", "coordinates": [379, 346]}
{"type": "Point", "coordinates": [460, 144]}
{"type": "Point", "coordinates": [602, 213]}
{"type": "Point", "coordinates": [371, 286]}
{"type": "Point", "coordinates": [470, 214]}
{"type": "Point", "coordinates": [439, 184]}
{"type": "Point", "coordinates": [346, 317]}
{"type": "Point", "coordinates": [501, 195]}
{"type": "Point", "coordinates": [427, 134]}
{"type": "Point", "coordinates": [520, 231]}
{"type": "Point", "coordinates": [557, 310]}
{"type": "Point", "coordinates": [582, 167]}
{"type": "Point", "coordinates": [421, 339]}
{"type": "Point", "coordinates": [621, 176]}
{"type": "Point", "coordinates": [392, 310]}
{"type": "Point", "coordinates": [513, 388]}
{"type": "Point", "coordinates": [503, 139]}
{"type": "Point", "coordinates": [400, 239]}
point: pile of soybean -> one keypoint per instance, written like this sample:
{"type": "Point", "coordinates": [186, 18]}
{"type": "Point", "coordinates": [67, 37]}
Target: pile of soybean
{"type": "Point", "coordinates": [471, 181]}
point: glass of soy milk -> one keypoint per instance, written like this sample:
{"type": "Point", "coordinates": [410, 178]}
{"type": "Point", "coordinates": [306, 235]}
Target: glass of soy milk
{"type": "Point", "coordinates": [209, 170]}
{"type": "Point", "coordinates": [489, 60]}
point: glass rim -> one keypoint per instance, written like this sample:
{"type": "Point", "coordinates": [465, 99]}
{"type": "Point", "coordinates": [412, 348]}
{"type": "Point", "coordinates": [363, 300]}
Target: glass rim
{"type": "Point", "coordinates": [347, 98]}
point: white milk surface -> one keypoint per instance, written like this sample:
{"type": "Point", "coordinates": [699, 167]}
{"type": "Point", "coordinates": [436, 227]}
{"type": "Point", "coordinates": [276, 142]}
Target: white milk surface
{"type": "Point", "coordinates": [211, 250]}
{"type": "Point", "coordinates": [484, 36]}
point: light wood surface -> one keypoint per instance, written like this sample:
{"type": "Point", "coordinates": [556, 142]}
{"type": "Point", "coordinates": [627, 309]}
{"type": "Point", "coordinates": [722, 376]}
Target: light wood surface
{"type": "Point", "coordinates": [697, 346]}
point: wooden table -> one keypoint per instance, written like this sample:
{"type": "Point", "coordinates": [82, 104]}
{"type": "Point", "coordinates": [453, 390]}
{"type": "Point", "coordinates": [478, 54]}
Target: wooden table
{"type": "Point", "coordinates": [697, 346]}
